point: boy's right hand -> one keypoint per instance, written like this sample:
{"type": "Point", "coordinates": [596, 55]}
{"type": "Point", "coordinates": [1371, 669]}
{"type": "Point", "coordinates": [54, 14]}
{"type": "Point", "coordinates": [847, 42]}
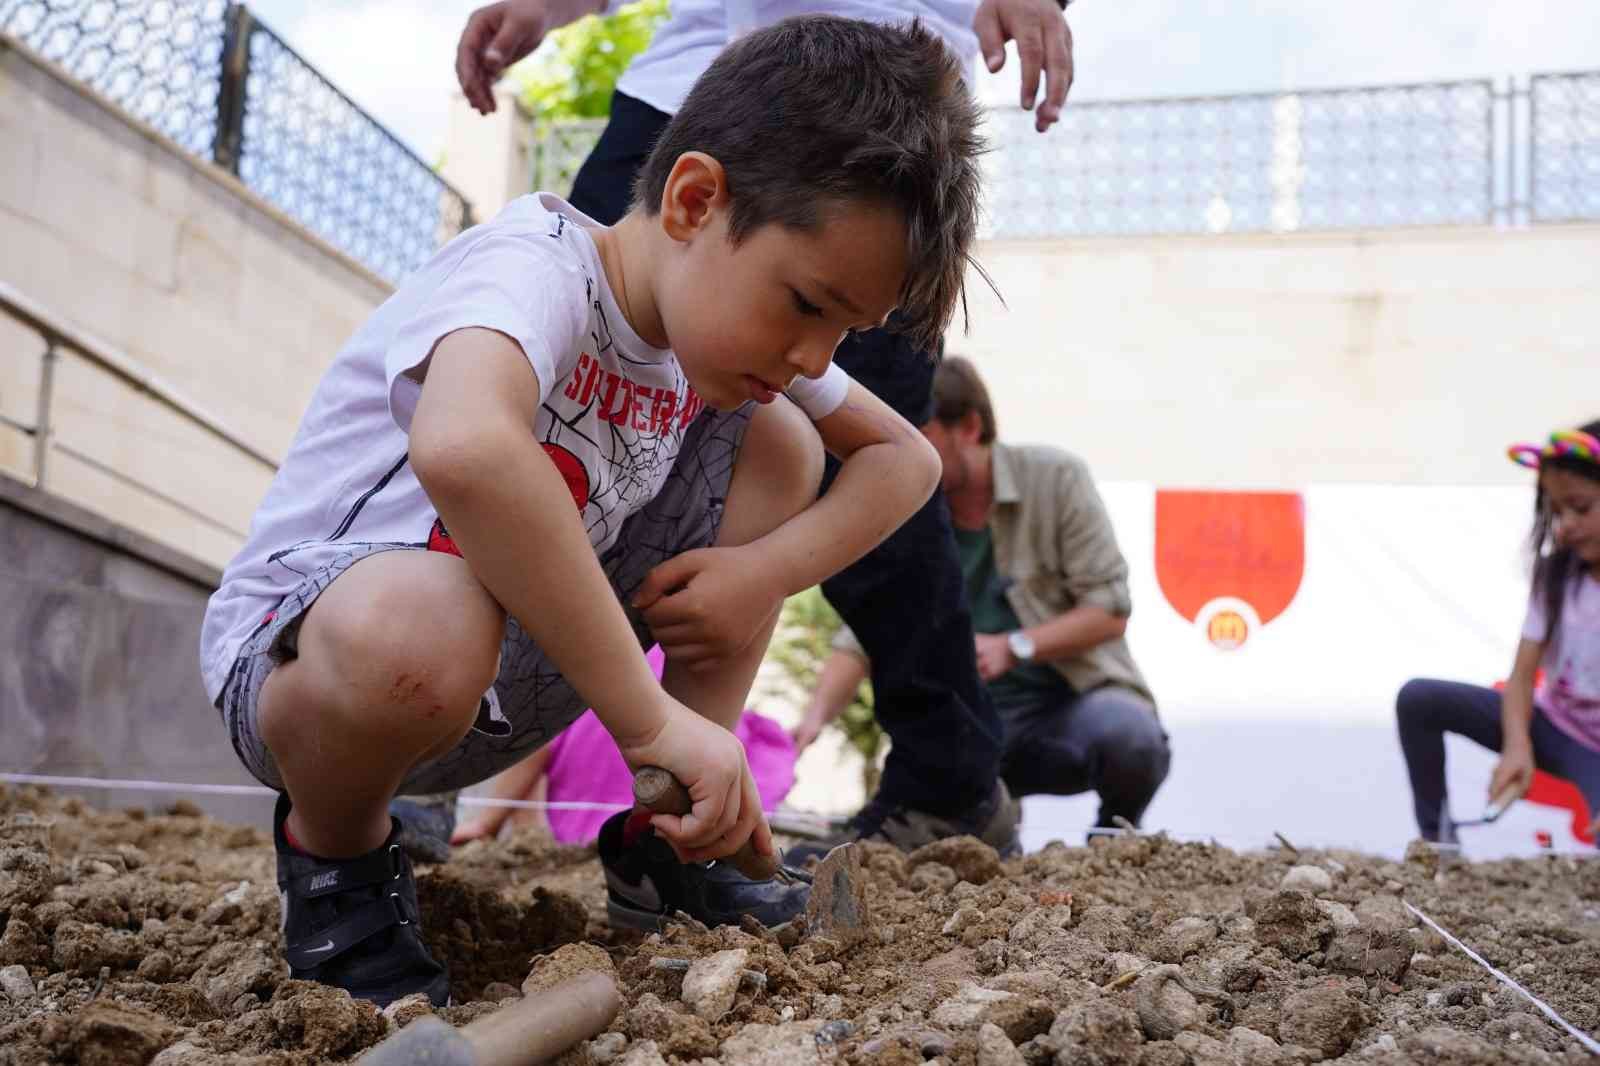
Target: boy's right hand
{"type": "Point", "coordinates": [710, 763]}
{"type": "Point", "coordinates": [1514, 770]}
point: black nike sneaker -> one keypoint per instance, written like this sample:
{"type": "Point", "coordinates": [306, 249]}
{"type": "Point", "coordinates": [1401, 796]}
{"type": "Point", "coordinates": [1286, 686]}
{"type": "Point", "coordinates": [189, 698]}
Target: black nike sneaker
{"type": "Point", "coordinates": [646, 884]}
{"type": "Point", "coordinates": [352, 923]}
{"type": "Point", "coordinates": [993, 821]}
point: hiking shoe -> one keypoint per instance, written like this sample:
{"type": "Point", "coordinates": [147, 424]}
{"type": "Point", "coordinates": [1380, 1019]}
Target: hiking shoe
{"type": "Point", "coordinates": [426, 823]}
{"type": "Point", "coordinates": [994, 821]}
{"type": "Point", "coordinates": [352, 923]}
{"type": "Point", "coordinates": [646, 884]}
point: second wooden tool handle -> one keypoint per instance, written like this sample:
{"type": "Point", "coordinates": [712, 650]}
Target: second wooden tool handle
{"type": "Point", "coordinates": [657, 790]}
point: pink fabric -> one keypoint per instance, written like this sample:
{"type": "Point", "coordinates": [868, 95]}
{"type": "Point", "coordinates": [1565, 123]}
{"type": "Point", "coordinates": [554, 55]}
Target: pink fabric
{"type": "Point", "coordinates": [1570, 697]}
{"type": "Point", "coordinates": [585, 766]}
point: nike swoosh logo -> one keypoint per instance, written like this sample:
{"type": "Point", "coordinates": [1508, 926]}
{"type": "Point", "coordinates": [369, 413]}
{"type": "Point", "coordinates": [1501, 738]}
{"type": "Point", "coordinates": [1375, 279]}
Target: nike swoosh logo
{"type": "Point", "coordinates": [320, 948]}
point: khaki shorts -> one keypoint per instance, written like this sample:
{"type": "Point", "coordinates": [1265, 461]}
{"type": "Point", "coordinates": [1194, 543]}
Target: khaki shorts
{"type": "Point", "coordinates": [530, 702]}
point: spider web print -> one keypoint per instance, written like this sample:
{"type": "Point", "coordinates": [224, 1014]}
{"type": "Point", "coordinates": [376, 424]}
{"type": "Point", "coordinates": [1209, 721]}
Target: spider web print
{"type": "Point", "coordinates": [533, 695]}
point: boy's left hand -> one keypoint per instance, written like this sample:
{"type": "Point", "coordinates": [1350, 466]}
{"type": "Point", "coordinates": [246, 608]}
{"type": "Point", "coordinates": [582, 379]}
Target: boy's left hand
{"type": "Point", "coordinates": [708, 604]}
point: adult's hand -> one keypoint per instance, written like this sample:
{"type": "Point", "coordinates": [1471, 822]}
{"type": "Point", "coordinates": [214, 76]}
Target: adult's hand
{"type": "Point", "coordinates": [1044, 43]}
{"type": "Point", "coordinates": [501, 33]}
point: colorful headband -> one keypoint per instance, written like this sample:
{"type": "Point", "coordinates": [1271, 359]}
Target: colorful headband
{"type": "Point", "coordinates": [1573, 442]}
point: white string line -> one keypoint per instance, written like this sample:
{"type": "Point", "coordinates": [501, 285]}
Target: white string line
{"type": "Point", "coordinates": [139, 785]}
{"type": "Point", "coordinates": [261, 790]}
{"type": "Point", "coordinates": [1577, 1034]}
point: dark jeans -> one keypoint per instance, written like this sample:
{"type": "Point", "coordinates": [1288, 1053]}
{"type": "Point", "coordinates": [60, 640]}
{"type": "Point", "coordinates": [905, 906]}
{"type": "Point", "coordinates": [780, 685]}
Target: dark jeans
{"type": "Point", "coordinates": [1428, 709]}
{"type": "Point", "coordinates": [1108, 740]}
{"type": "Point", "coordinates": [904, 599]}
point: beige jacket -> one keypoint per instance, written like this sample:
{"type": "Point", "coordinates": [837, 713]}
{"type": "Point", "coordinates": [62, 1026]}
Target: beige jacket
{"type": "Point", "coordinates": [1054, 541]}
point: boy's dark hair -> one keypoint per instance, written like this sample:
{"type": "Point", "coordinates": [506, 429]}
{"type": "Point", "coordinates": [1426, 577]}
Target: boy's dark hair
{"type": "Point", "coordinates": [958, 391]}
{"type": "Point", "coordinates": [1554, 568]}
{"type": "Point", "coordinates": [819, 110]}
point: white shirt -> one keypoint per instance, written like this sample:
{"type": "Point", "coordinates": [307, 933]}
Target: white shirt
{"type": "Point", "coordinates": [612, 411]}
{"type": "Point", "coordinates": [696, 31]}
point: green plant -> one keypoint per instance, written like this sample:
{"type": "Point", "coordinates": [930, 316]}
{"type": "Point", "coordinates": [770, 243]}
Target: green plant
{"type": "Point", "coordinates": [573, 74]}
{"type": "Point", "coordinates": [803, 640]}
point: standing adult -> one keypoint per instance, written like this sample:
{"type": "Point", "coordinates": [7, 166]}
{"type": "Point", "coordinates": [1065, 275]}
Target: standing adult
{"type": "Point", "coordinates": [904, 600]}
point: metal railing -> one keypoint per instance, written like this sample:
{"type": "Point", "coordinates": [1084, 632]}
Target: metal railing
{"type": "Point", "coordinates": [1448, 153]}
{"type": "Point", "coordinates": [226, 88]}
{"type": "Point", "coordinates": [1564, 147]}
{"type": "Point", "coordinates": [1331, 159]}
{"type": "Point", "coordinates": [58, 337]}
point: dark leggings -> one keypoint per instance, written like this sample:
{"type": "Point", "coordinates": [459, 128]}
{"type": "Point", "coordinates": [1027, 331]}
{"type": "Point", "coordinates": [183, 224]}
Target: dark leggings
{"type": "Point", "coordinates": [904, 600]}
{"type": "Point", "coordinates": [1428, 709]}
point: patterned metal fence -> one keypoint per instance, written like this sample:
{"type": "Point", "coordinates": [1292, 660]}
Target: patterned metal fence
{"type": "Point", "coordinates": [1339, 159]}
{"type": "Point", "coordinates": [1454, 153]}
{"type": "Point", "coordinates": [1564, 147]}
{"type": "Point", "coordinates": [225, 87]}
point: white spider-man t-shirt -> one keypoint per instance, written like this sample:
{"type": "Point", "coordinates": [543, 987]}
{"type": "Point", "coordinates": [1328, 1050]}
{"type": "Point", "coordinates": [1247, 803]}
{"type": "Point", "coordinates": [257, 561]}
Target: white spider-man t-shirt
{"type": "Point", "coordinates": [612, 411]}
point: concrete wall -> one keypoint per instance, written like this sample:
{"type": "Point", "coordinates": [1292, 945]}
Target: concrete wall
{"type": "Point", "coordinates": [172, 261]}
{"type": "Point", "coordinates": [1397, 356]}
{"type": "Point", "coordinates": [98, 663]}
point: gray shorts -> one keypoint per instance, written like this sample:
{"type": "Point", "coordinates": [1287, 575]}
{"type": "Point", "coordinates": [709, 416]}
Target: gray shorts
{"type": "Point", "coordinates": [530, 702]}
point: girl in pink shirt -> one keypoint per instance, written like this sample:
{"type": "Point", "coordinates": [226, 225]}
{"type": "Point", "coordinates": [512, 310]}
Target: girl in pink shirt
{"type": "Point", "coordinates": [1554, 727]}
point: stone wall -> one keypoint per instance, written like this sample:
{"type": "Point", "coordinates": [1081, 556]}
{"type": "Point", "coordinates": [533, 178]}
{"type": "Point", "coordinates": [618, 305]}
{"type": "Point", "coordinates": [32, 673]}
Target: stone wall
{"type": "Point", "coordinates": [168, 259]}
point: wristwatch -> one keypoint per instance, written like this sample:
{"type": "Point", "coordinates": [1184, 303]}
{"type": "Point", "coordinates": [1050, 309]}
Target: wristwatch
{"type": "Point", "coordinates": [1021, 645]}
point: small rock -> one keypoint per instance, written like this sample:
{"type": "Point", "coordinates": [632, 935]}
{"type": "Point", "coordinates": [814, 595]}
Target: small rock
{"type": "Point", "coordinates": [1313, 879]}
{"type": "Point", "coordinates": [155, 967]}
{"type": "Point", "coordinates": [1370, 953]}
{"type": "Point", "coordinates": [967, 856]}
{"type": "Point", "coordinates": [1098, 1033]}
{"type": "Point", "coordinates": [1184, 937]}
{"type": "Point", "coordinates": [183, 1053]}
{"type": "Point", "coordinates": [495, 991]}
{"type": "Point", "coordinates": [837, 907]}
{"type": "Point", "coordinates": [565, 963]}
{"type": "Point", "coordinates": [237, 895]}
{"type": "Point", "coordinates": [16, 983]}
{"type": "Point", "coordinates": [1246, 1047]}
{"type": "Point", "coordinates": [1325, 1019]}
{"type": "Point", "coordinates": [605, 1047]}
{"type": "Point", "coordinates": [964, 918]}
{"type": "Point", "coordinates": [1384, 913]}
{"type": "Point", "coordinates": [995, 1047]}
{"type": "Point", "coordinates": [1039, 925]}
{"type": "Point", "coordinates": [1342, 917]}
{"type": "Point", "coordinates": [712, 983]}
{"type": "Point", "coordinates": [789, 1044]}
{"type": "Point", "coordinates": [965, 1009]}
{"type": "Point", "coordinates": [402, 1012]}
{"type": "Point", "coordinates": [1290, 921]}
{"type": "Point", "coordinates": [991, 957]}
{"type": "Point", "coordinates": [931, 877]}
{"type": "Point", "coordinates": [644, 1053]}
{"type": "Point", "coordinates": [1203, 1050]}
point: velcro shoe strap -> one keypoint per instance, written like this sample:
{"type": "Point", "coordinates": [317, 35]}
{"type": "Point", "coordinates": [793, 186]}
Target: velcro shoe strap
{"type": "Point", "coordinates": [352, 929]}
{"type": "Point", "coordinates": [373, 868]}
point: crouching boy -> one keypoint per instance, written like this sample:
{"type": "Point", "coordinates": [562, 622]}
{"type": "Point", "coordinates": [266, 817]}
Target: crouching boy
{"type": "Point", "coordinates": [559, 440]}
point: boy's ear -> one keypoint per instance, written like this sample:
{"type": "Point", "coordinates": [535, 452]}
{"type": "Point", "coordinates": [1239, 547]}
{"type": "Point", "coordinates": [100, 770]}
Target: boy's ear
{"type": "Point", "coordinates": [696, 186]}
{"type": "Point", "coordinates": [972, 426]}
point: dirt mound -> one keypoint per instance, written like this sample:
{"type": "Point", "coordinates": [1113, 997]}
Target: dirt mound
{"type": "Point", "coordinates": [128, 938]}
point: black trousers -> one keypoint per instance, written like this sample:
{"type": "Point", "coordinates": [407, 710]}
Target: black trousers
{"type": "Point", "coordinates": [904, 600]}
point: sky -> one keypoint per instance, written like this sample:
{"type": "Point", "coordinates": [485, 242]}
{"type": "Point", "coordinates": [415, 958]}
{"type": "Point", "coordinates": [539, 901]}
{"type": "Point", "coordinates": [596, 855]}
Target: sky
{"type": "Point", "coordinates": [396, 57]}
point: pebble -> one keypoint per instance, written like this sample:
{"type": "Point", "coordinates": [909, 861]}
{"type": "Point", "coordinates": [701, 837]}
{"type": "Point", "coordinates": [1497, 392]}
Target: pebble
{"type": "Point", "coordinates": [996, 1049]}
{"type": "Point", "coordinates": [964, 918]}
{"type": "Point", "coordinates": [712, 983]}
{"type": "Point", "coordinates": [16, 983]}
{"type": "Point", "coordinates": [605, 1047]}
{"type": "Point", "coordinates": [1313, 879]}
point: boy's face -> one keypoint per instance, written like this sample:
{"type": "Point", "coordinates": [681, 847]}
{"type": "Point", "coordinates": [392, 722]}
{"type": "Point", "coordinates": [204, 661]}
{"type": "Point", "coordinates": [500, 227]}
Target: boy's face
{"type": "Point", "coordinates": [746, 320]}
